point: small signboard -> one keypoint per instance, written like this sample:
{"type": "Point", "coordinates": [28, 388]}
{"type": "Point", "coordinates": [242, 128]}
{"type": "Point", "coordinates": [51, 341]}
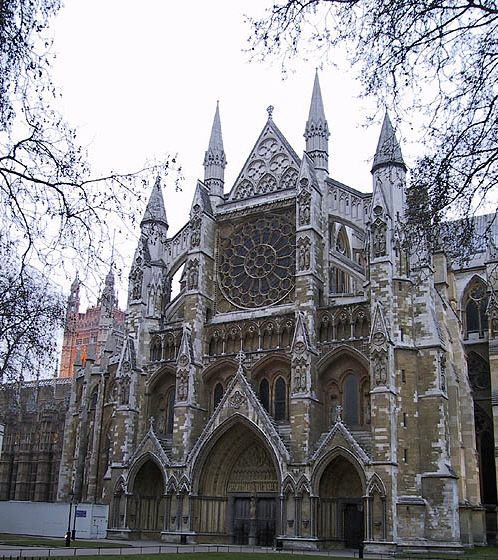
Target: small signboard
{"type": "Point", "coordinates": [80, 513]}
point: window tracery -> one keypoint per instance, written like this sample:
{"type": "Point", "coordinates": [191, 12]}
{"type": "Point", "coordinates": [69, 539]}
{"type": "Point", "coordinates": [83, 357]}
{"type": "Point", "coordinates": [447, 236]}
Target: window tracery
{"type": "Point", "coordinates": [476, 302]}
{"type": "Point", "coordinates": [257, 261]}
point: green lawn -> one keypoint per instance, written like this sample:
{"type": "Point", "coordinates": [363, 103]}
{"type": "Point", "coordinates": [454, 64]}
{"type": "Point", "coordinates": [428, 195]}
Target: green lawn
{"type": "Point", "coordinates": [212, 556]}
{"type": "Point", "coordinates": [26, 540]}
{"type": "Point", "coordinates": [488, 553]}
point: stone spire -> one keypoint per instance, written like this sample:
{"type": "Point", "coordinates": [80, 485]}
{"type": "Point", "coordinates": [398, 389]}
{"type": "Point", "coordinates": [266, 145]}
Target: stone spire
{"type": "Point", "coordinates": [317, 130]}
{"type": "Point", "coordinates": [388, 150]}
{"type": "Point", "coordinates": [73, 301]}
{"type": "Point", "coordinates": [108, 296]}
{"type": "Point", "coordinates": [214, 159]}
{"type": "Point", "coordinates": [155, 211]}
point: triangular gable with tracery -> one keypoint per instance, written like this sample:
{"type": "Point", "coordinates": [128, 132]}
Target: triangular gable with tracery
{"type": "Point", "coordinates": [340, 436]}
{"type": "Point", "coordinates": [272, 166]}
{"type": "Point", "coordinates": [151, 444]}
{"type": "Point", "coordinates": [240, 399]}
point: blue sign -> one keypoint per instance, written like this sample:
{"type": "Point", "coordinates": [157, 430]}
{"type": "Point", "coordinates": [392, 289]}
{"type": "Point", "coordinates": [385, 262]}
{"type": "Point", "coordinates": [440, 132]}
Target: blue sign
{"type": "Point", "coordinates": [80, 513]}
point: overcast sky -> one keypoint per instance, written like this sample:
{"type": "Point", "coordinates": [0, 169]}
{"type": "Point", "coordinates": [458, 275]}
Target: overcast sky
{"type": "Point", "coordinates": [140, 80]}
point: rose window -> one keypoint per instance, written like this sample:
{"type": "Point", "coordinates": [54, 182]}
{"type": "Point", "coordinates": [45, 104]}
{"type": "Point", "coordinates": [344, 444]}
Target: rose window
{"type": "Point", "coordinates": [257, 261]}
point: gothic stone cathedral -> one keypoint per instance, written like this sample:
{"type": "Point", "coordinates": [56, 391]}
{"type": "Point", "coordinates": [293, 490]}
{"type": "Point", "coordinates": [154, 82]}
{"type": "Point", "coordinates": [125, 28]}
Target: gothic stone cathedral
{"type": "Point", "coordinates": [310, 382]}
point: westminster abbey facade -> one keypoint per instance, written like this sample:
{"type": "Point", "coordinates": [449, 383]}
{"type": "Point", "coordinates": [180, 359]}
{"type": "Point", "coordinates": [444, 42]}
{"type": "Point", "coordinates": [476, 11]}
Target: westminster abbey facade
{"type": "Point", "coordinates": [311, 382]}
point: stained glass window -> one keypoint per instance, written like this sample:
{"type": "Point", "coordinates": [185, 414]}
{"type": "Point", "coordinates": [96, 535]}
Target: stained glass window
{"type": "Point", "coordinates": [257, 261]}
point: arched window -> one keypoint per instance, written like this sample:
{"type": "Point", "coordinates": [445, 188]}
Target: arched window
{"type": "Point", "coordinates": [170, 411]}
{"type": "Point", "coordinates": [351, 400]}
{"type": "Point", "coordinates": [155, 351]}
{"type": "Point", "coordinates": [264, 393]}
{"type": "Point", "coordinates": [217, 395]}
{"type": "Point", "coordinates": [280, 399]}
{"type": "Point", "coordinates": [342, 243]}
{"type": "Point", "coordinates": [476, 319]}
{"type": "Point", "coordinates": [339, 281]}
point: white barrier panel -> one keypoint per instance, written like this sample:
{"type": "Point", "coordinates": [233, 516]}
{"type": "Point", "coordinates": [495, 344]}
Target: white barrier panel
{"type": "Point", "coordinates": [51, 519]}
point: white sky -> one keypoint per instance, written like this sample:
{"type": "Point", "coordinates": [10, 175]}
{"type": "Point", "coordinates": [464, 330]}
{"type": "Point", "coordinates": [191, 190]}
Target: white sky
{"type": "Point", "coordinates": [141, 79]}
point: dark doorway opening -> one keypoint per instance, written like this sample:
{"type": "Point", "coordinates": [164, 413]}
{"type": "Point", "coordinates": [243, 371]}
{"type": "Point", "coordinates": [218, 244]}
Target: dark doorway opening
{"type": "Point", "coordinates": [353, 526]}
{"type": "Point", "coordinates": [254, 521]}
{"type": "Point", "coordinates": [265, 528]}
{"type": "Point", "coordinates": [242, 520]}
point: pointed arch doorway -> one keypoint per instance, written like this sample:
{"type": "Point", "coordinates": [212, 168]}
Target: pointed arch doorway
{"type": "Point", "coordinates": [340, 515]}
{"type": "Point", "coordinates": [238, 488]}
{"type": "Point", "coordinates": [146, 502]}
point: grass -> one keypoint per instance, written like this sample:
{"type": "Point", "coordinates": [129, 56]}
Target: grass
{"type": "Point", "coordinates": [486, 553]}
{"type": "Point", "coordinates": [213, 556]}
{"type": "Point", "coordinates": [26, 540]}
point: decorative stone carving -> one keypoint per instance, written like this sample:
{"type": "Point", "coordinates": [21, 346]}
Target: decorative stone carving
{"type": "Point", "coordinates": [492, 312]}
{"type": "Point", "coordinates": [289, 178]}
{"type": "Point", "coordinates": [442, 371]}
{"type": "Point", "coordinates": [379, 340]}
{"type": "Point", "coordinates": [379, 243]}
{"type": "Point", "coordinates": [304, 203]}
{"type": "Point", "coordinates": [338, 413]}
{"type": "Point", "coordinates": [166, 291]}
{"type": "Point", "coordinates": [379, 368]}
{"type": "Point", "coordinates": [192, 274]}
{"type": "Point", "coordinates": [236, 400]}
{"type": "Point", "coordinates": [300, 366]}
{"type": "Point", "coordinates": [125, 389]}
{"type": "Point", "coordinates": [136, 279]}
{"type": "Point", "coordinates": [195, 226]}
{"type": "Point", "coordinates": [304, 253]}
{"type": "Point", "coordinates": [182, 385]}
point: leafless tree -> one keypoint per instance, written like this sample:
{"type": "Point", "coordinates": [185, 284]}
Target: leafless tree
{"type": "Point", "coordinates": [53, 209]}
{"type": "Point", "coordinates": [31, 316]}
{"type": "Point", "coordinates": [439, 60]}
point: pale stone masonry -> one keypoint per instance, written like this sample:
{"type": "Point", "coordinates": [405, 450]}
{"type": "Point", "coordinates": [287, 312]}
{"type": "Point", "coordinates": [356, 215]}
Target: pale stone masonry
{"type": "Point", "coordinates": [311, 382]}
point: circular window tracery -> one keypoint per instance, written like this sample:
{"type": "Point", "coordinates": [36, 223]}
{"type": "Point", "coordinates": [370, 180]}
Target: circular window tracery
{"type": "Point", "coordinates": [257, 261]}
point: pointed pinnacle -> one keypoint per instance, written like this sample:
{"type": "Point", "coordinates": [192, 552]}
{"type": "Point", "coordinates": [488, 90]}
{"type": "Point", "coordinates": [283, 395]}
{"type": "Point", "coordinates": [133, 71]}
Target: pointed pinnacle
{"type": "Point", "coordinates": [155, 211]}
{"type": "Point", "coordinates": [317, 112]}
{"type": "Point", "coordinates": [388, 149]}
{"type": "Point", "coordinates": [216, 139]}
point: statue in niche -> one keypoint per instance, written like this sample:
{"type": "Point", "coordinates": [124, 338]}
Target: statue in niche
{"type": "Point", "coordinates": [193, 275]}
{"type": "Point", "coordinates": [379, 244]}
{"type": "Point", "coordinates": [300, 374]}
{"type": "Point", "coordinates": [304, 256]}
{"type": "Point", "coordinates": [379, 368]}
{"type": "Point", "coordinates": [182, 389]}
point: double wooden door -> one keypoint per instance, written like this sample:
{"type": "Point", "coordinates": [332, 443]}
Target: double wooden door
{"type": "Point", "coordinates": [258, 521]}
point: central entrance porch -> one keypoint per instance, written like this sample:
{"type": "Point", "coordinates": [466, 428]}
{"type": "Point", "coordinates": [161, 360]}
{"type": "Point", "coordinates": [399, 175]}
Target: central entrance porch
{"type": "Point", "coordinates": [237, 500]}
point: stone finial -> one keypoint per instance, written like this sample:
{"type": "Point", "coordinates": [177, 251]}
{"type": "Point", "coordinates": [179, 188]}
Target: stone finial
{"type": "Point", "coordinates": [155, 211]}
{"type": "Point", "coordinates": [338, 413]}
{"type": "Point", "coordinates": [270, 110]}
{"type": "Point", "coordinates": [151, 423]}
{"type": "Point", "coordinates": [241, 358]}
{"type": "Point", "coordinates": [388, 150]}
